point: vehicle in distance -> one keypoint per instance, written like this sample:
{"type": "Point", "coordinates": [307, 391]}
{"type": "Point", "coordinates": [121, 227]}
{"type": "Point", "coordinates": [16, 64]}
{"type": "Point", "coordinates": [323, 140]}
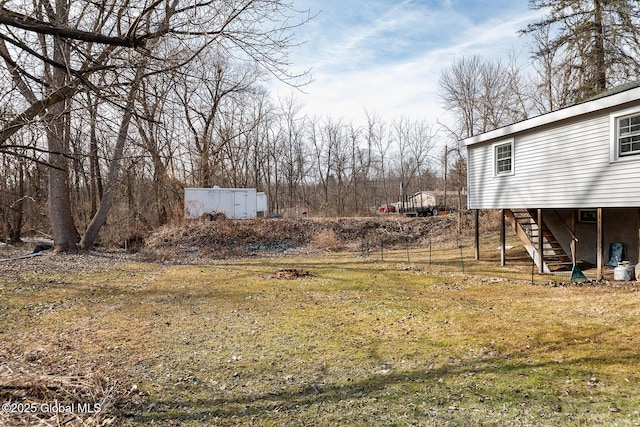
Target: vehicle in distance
{"type": "Point", "coordinates": [386, 208]}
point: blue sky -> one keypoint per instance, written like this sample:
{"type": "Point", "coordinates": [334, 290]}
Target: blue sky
{"type": "Point", "coordinates": [386, 56]}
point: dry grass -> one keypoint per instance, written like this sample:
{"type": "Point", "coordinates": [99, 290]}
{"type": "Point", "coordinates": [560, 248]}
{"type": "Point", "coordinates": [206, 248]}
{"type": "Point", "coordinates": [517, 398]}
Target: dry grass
{"type": "Point", "coordinates": [328, 240]}
{"type": "Point", "coordinates": [410, 340]}
{"type": "Point", "coordinates": [40, 392]}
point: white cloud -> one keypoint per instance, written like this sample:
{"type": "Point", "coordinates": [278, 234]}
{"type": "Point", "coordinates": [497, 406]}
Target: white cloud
{"type": "Point", "coordinates": [355, 41]}
{"type": "Point", "coordinates": [390, 62]}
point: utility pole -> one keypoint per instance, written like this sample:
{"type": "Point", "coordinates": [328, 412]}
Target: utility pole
{"type": "Point", "coordinates": [446, 162]}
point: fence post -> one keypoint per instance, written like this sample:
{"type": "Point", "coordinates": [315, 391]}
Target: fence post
{"type": "Point", "coordinates": [461, 257]}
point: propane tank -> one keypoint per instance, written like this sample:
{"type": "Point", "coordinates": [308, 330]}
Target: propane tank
{"type": "Point", "coordinates": [622, 271]}
{"type": "Point", "coordinates": [631, 269]}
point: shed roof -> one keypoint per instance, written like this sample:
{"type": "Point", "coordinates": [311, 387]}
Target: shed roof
{"type": "Point", "coordinates": [619, 95]}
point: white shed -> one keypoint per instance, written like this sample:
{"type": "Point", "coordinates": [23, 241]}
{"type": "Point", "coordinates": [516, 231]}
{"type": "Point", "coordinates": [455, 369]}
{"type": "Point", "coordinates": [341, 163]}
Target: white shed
{"type": "Point", "coordinates": [235, 203]}
{"type": "Point", "coordinates": [262, 204]}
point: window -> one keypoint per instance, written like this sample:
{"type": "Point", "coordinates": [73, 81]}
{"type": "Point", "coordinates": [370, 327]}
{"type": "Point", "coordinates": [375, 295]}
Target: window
{"type": "Point", "coordinates": [503, 158]}
{"type": "Point", "coordinates": [624, 134]}
{"type": "Point", "coordinates": [629, 135]}
{"type": "Point", "coordinates": [587, 216]}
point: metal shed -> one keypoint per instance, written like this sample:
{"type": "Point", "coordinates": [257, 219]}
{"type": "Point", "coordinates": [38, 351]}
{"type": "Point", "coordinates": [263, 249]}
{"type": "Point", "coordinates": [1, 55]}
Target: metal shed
{"type": "Point", "coordinates": [236, 203]}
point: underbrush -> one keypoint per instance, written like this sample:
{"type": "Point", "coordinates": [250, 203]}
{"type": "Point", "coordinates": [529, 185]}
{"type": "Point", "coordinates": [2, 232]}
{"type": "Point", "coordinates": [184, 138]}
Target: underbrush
{"type": "Point", "coordinates": [224, 238]}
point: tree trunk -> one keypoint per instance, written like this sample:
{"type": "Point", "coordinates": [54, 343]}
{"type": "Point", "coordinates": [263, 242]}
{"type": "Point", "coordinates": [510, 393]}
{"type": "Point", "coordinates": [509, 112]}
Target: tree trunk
{"type": "Point", "coordinates": [100, 217]}
{"type": "Point", "coordinates": [15, 214]}
{"type": "Point", "coordinates": [159, 188]}
{"type": "Point", "coordinates": [600, 71]}
{"type": "Point", "coordinates": [95, 184]}
{"type": "Point", "coordinates": [65, 235]}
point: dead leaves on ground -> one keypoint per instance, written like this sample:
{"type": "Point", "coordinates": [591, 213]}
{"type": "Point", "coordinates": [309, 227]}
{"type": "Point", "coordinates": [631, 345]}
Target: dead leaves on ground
{"type": "Point", "coordinates": [290, 273]}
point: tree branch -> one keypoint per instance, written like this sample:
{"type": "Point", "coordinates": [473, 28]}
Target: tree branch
{"type": "Point", "coordinates": [18, 20]}
{"type": "Point", "coordinates": [35, 109]}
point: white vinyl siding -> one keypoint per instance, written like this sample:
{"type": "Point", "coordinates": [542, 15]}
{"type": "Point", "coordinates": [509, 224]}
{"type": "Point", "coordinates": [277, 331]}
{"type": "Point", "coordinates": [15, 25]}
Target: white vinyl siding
{"type": "Point", "coordinates": [564, 165]}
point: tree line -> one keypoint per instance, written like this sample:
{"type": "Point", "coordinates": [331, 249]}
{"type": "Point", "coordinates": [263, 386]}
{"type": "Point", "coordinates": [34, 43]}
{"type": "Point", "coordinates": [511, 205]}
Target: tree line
{"type": "Point", "coordinates": [111, 108]}
{"type": "Point", "coordinates": [579, 49]}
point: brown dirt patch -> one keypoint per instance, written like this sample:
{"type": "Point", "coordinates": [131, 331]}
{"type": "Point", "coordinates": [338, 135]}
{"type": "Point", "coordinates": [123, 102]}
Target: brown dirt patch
{"type": "Point", "coordinates": [290, 273]}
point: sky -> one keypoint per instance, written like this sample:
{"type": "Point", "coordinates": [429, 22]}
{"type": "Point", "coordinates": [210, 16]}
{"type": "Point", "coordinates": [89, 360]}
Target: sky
{"type": "Point", "coordinates": [385, 57]}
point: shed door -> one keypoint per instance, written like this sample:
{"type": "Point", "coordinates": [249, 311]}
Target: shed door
{"type": "Point", "coordinates": [240, 204]}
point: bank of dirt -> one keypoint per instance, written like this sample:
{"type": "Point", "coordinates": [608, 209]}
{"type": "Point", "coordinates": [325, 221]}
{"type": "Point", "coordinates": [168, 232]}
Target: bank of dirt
{"type": "Point", "coordinates": [224, 238]}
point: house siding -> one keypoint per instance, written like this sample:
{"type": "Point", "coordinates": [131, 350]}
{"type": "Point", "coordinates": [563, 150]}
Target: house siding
{"type": "Point", "coordinates": [563, 165]}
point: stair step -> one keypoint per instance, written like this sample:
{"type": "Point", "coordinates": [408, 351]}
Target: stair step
{"type": "Point", "coordinates": [555, 257]}
{"type": "Point", "coordinates": [553, 253]}
{"type": "Point", "coordinates": [546, 241]}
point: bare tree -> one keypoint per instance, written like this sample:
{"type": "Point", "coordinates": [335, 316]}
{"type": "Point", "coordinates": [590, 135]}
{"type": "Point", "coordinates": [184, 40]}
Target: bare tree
{"type": "Point", "coordinates": [206, 97]}
{"type": "Point", "coordinates": [378, 139]}
{"type": "Point", "coordinates": [13, 197]}
{"type": "Point", "coordinates": [593, 41]}
{"type": "Point", "coordinates": [414, 141]}
{"type": "Point", "coordinates": [74, 40]}
{"type": "Point", "coordinates": [553, 82]}
{"type": "Point", "coordinates": [359, 170]}
{"type": "Point", "coordinates": [293, 156]}
{"type": "Point", "coordinates": [155, 123]}
{"type": "Point", "coordinates": [339, 138]}
{"type": "Point", "coordinates": [482, 94]}
{"type": "Point", "coordinates": [325, 138]}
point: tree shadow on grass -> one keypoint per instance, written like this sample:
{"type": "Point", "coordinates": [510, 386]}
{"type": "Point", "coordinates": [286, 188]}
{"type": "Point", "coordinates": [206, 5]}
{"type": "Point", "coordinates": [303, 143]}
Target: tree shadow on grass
{"type": "Point", "coordinates": [443, 386]}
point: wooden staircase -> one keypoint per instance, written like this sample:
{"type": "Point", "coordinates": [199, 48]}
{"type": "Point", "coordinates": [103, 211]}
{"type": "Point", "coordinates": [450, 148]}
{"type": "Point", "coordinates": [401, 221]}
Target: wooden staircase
{"type": "Point", "coordinates": [525, 223]}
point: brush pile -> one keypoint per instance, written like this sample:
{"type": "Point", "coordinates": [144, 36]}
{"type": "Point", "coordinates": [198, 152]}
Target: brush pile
{"type": "Point", "coordinates": [38, 391]}
{"type": "Point", "coordinates": [226, 238]}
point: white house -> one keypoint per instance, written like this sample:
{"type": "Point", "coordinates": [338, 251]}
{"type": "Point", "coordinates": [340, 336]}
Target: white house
{"type": "Point", "coordinates": [576, 171]}
{"type": "Point", "coordinates": [422, 203]}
